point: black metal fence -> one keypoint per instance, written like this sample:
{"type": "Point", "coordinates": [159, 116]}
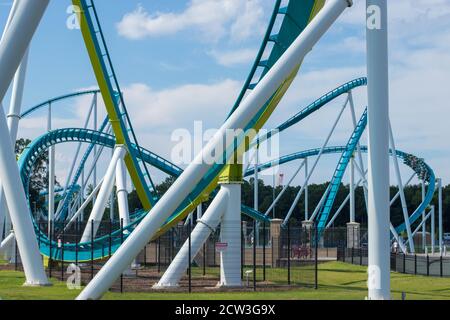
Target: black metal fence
{"type": "Point", "coordinates": [288, 257]}
{"type": "Point", "coordinates": [417, 264]}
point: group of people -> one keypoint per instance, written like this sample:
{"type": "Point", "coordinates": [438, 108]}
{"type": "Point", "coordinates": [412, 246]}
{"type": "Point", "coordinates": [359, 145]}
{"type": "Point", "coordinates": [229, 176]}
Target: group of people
{"type": "Point", "coordinates": [418, 165]}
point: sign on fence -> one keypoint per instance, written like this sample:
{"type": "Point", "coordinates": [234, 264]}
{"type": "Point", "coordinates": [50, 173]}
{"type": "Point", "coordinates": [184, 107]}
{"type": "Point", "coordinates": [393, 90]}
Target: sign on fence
{"type": "Point", "coordinates": [221, 246]}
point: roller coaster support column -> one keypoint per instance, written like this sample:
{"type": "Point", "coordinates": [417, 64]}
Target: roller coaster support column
{"type": "Point", "coordinates": [424, 225]}
{"type": "Point", "coordinates": [12, 50]}
{"type": "Point", "coordinates": [51, 175]}
{"type": "Point", "coordinates": [103, 195]}
{"type": "Point", "coordinates": [306, 191]}
{"type": "Point", "coordinates": [353, 228]}
{"type": "Point", "coordinates": [440, 215]}
{"type": "Point", "coordinates": [203, 229]}
{"type": "Point", "coordinates": [255, 191]}
{"type": "Point", "coordinates": [243, 115]}
{"type": "Point", "coordinates": [122, 194]}
{"type": "Point", "coordinates": [230, 228]}
{"type": "Point", "coordinates": [13, 118]}
{"type": "Point", "coordinates": [378, 125]}
{"type": "Point", "coordinates": [199, 211]}
{"type": "Point", "coordinates": [400, 189]}
{"type": "Point", "coordinates": [111, 199]}
{"type": "Point", "coordinates": [352, 190]}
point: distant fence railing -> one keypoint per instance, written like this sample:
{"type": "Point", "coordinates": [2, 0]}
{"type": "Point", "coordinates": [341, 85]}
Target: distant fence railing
{"type": "Point", "coordinates": [417, 264]}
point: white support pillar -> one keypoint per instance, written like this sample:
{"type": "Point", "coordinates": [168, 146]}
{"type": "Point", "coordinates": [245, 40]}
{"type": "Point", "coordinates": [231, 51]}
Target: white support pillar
{"type": "Point", "coordinates": [306, 191]}
{"type": "Point", "coordinates": [80, 212]}
{"type": "Point", "coordinates": [51, 175]}
{"type": "Point", "coordinates": [230, 233]}
{"type": "Point", "coordinates": [378, 126]}
{"type": "Point", "coordinates": [400, 190]}
{"type": "Point", "coordinates": [12, 50]}
{"type": "Point", "coordinates": [122, 193]}
{"type": "Point", "coordinates": [352, 190]}
{"type": "Point", "coordinates": [199, 211]}
{"type": "Point", "coordinates": [441, 230]}
{"type": "Point", "coordinates": [83, 187]}
{"type": "Point", "coordinates": [95, 120]}
{"type": "Point", "coordinates": [203, 229]}
{"type": "Point", "coordinates": [196, 170]}
{"type": "Point", "coordinates": [112, 198]}
{"type": "Point", "coordinates": [284, 188]}
{"type": "Point", "coordinates": [424, 225]}
{"type": "Point", "coordinates": [297, 197]}
{"type": "Point", "coordinates": [105, 190]}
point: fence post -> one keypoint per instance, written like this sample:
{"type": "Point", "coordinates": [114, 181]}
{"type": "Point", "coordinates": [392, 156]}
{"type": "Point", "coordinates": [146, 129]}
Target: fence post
{"type": "Point", "coordinates": [440, 266]}
{"type": "Point", "coordinates": [204, 259]}
{"type": "Point", "coordinates": [360, 256]}
{"type": "Point", "coordinates": [77, 228]}
{"type": "Point", "coordinates": [92, 249]}
{"type": "Point", "coordinates": [255, 237]}
{"type": "Point", "coordinates": [242, 251]}
{"type": "Point", "coordinates": [415, 264]}
{"type": "Point", "coordinates": [428, 265]}
{"type": "Point", "coordinates": [121, 241]}
{"type": "Point", "coordinates": [50, 250]}
{"type": "Point", "coordinates": [189, 262]}
{"type": "Point", "coordinates": [353, 253]}
{"type": "Point", "coordinates": [289, 251]}
{"type": "Point", "coordinates": [16, 263]}
{"type": "Point", "coordinates": [316, 258]}
{"type": "Point", "coordinates": [264, 251]}
{"type": "Point", "coordinates": [159, 254]}
{"type": "Point", "coordinates": [62, 251]}
{"type": "Point", "coordinates": [110, 237]}
{"type": "Point", "coordinates": [404, 263]}
{"type": "Point", "coordinates": [145, 256]}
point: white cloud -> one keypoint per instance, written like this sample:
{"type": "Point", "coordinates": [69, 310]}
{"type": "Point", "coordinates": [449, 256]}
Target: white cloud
{"type": "Point", "coordinates": [239, 19]}
{"type": "Point", "coordinates": [178, 107]}
{"type": "Point", "coordinates": [234, 57]}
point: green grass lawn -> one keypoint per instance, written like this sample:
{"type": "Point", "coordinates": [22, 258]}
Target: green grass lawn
{"type": "Point", "coordinates": [337, 281]}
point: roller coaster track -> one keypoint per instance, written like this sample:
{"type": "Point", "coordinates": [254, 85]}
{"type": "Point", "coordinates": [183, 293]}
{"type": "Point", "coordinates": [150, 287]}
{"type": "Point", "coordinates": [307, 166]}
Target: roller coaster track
{"type": "Point", "coordinates": [295, 16]}
{"type": "Point", "coordinates": [419, 166]}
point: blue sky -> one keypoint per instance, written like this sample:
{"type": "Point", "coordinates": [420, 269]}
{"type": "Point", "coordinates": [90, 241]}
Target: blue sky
{"type": "Point", "coordinates": [181, 61]}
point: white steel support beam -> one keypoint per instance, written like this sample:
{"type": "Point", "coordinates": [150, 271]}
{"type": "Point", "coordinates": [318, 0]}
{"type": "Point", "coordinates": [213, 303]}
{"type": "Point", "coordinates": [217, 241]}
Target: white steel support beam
{"type": "Point", "coordinates": [51, 176]}
{"type": "Point", "coordinates": [400, 190]}
{"type": "Point", "coordinates": [352, 190]}
{"type": "Point", "coordinates": [122, 193]}
{"type": "Point", "coordinates": [378, 126]}
{"type": "Point", "coordinates": [284, 188]}
{"type": "Point", "coordinates": [306, 191]}
{"type": "Point", "coordinates": [105, 190]}
{"type": "Point", "coordinates": [424, 225]}
{"type": "Point", "coordinates": [358, 146]}
{"type": "Point", "coordinates": [12, 50]}
{"type": "Point", "coordinates": [80, 211]}
{"type": "Point", "coordinates": [297, 197]}
{"type": "Point", "coordinates": [196, 170]}
{"type": "Point", "coordinates": [205, 226]}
